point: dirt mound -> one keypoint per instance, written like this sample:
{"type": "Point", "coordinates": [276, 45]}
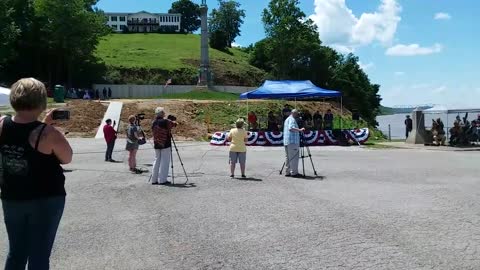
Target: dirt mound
{"type": "Point", "coordinates": [196, 119]}
{"type": "Point", "coordinates": [85, 117]}
{"type": "Point", "coordinates": [185, 111]}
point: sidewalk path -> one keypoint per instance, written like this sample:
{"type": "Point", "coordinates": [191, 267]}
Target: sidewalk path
{"type": "Point", "coordinates": [113, 112]}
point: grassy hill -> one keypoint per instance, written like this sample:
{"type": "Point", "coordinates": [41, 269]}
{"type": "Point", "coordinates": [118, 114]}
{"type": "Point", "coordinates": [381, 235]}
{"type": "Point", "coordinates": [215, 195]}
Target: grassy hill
{"type": "Point", "coordinates": [153, 58]}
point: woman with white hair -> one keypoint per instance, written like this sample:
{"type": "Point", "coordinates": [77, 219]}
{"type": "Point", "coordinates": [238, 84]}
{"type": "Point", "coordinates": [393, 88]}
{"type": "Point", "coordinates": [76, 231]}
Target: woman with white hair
{"type": "Point", "coordinates": [238, 149]}
{"type": "Point", "coordinates": [32, 181]}
{"type": "Point", "coordinates": [162, 138]}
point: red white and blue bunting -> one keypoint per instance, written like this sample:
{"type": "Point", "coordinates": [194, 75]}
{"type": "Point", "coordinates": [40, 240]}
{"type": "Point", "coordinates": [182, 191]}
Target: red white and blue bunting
{"type": "Point", "coordinates": [313, 138]}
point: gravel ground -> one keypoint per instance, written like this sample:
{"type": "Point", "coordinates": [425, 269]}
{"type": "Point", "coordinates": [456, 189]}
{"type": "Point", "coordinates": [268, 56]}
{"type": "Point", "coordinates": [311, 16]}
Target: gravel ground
{"type": "Point", "coordinates": [371, 209]}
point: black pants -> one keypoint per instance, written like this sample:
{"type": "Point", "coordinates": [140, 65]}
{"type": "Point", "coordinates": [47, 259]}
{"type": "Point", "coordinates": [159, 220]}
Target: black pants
{"type": "Point", "coordinates": [407, 132]}
{"type": "Point", "coordinates": [110, 146]}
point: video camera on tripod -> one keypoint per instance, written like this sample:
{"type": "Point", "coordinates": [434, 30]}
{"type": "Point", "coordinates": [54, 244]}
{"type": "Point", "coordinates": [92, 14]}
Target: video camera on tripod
{"type": "Point", "coordinates": [303, 152]}
{"type": "Point", "coordinates": [138, 118]}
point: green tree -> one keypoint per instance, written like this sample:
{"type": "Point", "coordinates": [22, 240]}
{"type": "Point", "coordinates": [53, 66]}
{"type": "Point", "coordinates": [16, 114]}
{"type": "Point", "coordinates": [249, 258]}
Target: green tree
{"type": "Point", "coordinates": [261, 55]}
{"type": "Point", "coordinates": [358, 92]}
{"type": "Point", "coordinates": [9, 32]}
{"type": "Point", "coordinates": [293, 50]}
{"type": "Point", "coordinates": [69, 33]}
{"type": "Point", "coordinates": [227, 18]}
{"type": "Point", "coordinates": [218, 40]}
{"type": "Point", "coordinates": [190, 15]}
{"type": "Point", "coordinates": [17, 38]}
{"type": "Point", "coordinates": [293, 38]}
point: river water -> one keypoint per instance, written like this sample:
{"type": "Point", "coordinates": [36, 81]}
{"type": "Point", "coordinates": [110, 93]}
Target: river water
{"type": "Point", "coordinates": [397, 123]}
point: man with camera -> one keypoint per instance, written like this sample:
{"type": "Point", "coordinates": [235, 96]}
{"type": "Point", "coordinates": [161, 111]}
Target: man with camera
{"type": "Point", "coordinates": [162, 138]}
{"type": "Point", "coordinates": [291, 141]}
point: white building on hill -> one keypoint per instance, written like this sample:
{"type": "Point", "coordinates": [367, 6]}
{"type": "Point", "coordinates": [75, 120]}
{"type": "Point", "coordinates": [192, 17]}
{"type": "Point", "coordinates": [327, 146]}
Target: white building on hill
{"type": "Point", "coordinates": [144, 22]}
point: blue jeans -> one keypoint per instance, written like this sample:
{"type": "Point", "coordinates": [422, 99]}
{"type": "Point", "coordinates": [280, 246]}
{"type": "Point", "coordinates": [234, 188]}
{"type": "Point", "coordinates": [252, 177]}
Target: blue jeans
{"type": "Point", "coordinates": [31, 228]}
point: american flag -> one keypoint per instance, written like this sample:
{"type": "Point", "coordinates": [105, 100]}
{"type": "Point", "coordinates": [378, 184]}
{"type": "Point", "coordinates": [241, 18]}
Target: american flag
{"type": "Point", "coordinates": [168, 82]}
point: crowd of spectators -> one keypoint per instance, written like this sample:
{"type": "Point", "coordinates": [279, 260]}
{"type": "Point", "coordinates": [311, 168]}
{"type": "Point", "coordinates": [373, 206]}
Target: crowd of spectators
{"type": "Point", "coordinates": [275, 120]}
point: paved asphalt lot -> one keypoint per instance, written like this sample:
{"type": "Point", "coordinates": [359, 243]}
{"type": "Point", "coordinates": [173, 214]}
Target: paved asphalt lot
{"type": "Point", "coordinates": [375, 209]}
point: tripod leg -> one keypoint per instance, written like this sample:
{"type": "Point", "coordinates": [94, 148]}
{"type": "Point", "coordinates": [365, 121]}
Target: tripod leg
{"type": "Point", "coordinates": [303, 160]}
{"type": "Point", "coordinates": [283, 166]}
{"type": "Point", "coordinates": [180, 159]}
{"type": "Point", "coordinates": [311, 161]}
{"type": "Point", "coordinates": [171, 160]}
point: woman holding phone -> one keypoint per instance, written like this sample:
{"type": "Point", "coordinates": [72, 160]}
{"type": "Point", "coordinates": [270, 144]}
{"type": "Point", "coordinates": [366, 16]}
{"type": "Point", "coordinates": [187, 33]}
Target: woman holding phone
{"type": "Point", "coordinates": [133, 136]}
{"type": "Point", "coordinates": [32, 180]}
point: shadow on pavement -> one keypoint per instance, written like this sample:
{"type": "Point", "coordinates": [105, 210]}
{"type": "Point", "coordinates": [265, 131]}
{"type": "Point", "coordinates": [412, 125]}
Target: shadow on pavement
{"type": "Point", "coordinates": [318, 177]}
{"type": "Point", "coordinates": [190, 185]}
{"type": "Point", "coordinates": [249, 179]}
{"type": "Point", "coordinates": [311, 178]}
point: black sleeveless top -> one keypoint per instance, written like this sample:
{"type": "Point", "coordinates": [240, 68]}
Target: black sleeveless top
{"type": "Point", "coordinates": [27, 173]}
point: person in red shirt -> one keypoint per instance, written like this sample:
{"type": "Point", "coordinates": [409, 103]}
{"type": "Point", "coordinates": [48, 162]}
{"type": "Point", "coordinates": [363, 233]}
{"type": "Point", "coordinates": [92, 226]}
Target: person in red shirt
{"type": "Point", "coordinates": [110, 136]}
{"type": "Point", "coordinates": [252, 121]}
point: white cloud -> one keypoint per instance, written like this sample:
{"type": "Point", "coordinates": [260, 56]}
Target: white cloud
{"type": "Point", "coordinates": [341, 29]}
{"type": "Point", "coordinates": [399, 73]}
{"type": "Point", "coordinates": [442, 16]}
{"type": "Point", "coordinates": [236, 45]}
{"type": "Point", "coordinates": [413, 49]}
{"type": "Point", "coordinates": [439, 90]}
{"type": "Point", "coordinates": [367, 66]}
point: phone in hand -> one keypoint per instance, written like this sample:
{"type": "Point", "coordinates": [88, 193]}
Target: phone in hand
{"type": "Point", "coordinates": [62, 115]}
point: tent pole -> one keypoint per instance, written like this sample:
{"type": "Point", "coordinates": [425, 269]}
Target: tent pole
{"type": "Point", "coordinates": [447, 128]}
{"type": "Point", "coordinates": [341, 112]}
{"type": "Point", "coordinates": [247, 116]}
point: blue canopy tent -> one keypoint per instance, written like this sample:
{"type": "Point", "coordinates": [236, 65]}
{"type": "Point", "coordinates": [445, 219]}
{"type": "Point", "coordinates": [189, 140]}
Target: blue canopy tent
{"type": "Point", "coordinates": [291, 90]}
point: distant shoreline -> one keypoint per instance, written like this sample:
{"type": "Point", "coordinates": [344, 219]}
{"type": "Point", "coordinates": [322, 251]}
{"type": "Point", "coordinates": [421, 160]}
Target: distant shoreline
{"type": "Point", "coordinates": [391, 111]}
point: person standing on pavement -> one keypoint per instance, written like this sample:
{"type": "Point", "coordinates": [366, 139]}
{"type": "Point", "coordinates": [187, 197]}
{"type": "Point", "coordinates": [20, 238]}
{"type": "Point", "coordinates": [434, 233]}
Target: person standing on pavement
{"type": "Point", "coordinates": [162, 138]}
{"type": "Point", "coordinates": [109, 93]}
{"type": "Point", "coordinates": [291, 141]}
{"type": "Point", "coordinates": [408, 126]}
{"type": "Point", "coordinates": [32, 181]}
{"type": "Point", "coordinates": [238, 150]}
{"type": "Point", "coordinates": [133, 136]}
{"type": "Point", "coordinates": [110, 136]}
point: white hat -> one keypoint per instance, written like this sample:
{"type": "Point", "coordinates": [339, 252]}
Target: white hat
{"type": "Point", "coordinates": [159, 110]}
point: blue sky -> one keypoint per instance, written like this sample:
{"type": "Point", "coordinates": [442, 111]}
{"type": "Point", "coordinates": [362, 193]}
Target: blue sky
{"type": "Point", "coordinates": [419, 51]}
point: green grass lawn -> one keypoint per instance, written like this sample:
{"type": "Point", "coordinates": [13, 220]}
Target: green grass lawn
{"type": "Point", "coordinates": [165, 51]}
{"type": "Point", "coordinates": [151, 58]}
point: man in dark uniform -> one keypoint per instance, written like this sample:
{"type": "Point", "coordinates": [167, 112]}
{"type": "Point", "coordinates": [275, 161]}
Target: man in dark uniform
{"type": "Point", "coordinates": [408, 126]}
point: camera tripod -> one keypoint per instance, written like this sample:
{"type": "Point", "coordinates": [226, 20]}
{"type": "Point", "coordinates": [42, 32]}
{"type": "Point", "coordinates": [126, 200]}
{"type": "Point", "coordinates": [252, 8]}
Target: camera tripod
{"type": "Point", "coordinates": [304, 152]}
{"type": "Point", "coordinates": [174, 144]}
{"type": "Point", "coordinates": [179, 158]}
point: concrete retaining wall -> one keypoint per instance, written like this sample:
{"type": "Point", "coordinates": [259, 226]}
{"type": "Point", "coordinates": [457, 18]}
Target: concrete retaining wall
{"type": "Point", "coordinates": [150, 91]}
